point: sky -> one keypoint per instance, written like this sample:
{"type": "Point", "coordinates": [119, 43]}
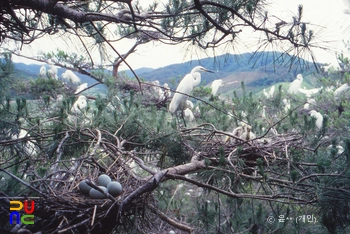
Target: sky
{"type": "Point", "coordinates": [327, 18]}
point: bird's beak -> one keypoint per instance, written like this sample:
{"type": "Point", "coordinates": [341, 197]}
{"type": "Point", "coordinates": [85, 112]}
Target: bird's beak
{"type": "Point", "coordinates": [208, 70]}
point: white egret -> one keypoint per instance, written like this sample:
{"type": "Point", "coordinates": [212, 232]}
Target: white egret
{"type": "Point", "coordinates": [79, 105]}
{"type": "Point", "coordinates": [329, 88]}
{"type": "Point", "coordinates": [59, 98]}
{"type": "Point", "coordinates": [29, 148]}
{"type": "Point", "coordinates": [286, 103]}
{"type": "Point", "coordinates": [186, 86]}
{"type": "Point", "coordinates": [42, 72]}
{"type": "Point", "coordinates": [197, 111]}
{"type": "Point", "coordinates": [160, 94]}
{"type": "Point", "coordinates": [155, 87]}
{"type": "Point", "coordinates": [188, 115]}
{"type": "Point", "coordinates": [295, 85]}
{"type": "Point", "coordinates": [167, 92]}
{"type": "Point", "coordinates": [52, 72]}
{"type": "Point", "coordinates": [266, 93]}
{"type": "Point", "coordinates": [309, 92]}
{"type": "Point", "coordinates": [339, 148]}
{"type": "Point", "coordinates": [341, 89]}
{"type": "Point", "coordinates": [189, 104]}
{"type": "Point", "coordinates": [215, 86]}
{"type": "Point", "coordinates": [263, 112]}
{"type": "Point", "coordinates": [272, 91]}
{"type": "Point", "coordinates": [318, 117]}
{"type": "Point", "coordinates": [309, 101]}
{"type": "Point", "coordinates": [81, 87]}
{"type": "Point", "coordinates": [70, 76]}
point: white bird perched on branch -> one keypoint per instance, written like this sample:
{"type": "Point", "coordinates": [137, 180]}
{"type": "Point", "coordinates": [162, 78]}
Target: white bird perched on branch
{"type": "Point", "coordinates": [189, 104]}
{"type": "Point", "coordinates": [318, 117]}
{"type": "Point", "coordinates": [263, 112]}
{"type": "Point", "coordinates": [52, 72]}
{"type": "Point", "coordinates": [266, 94]}
{"type": "Point", "coordinates": [215, 86]}
{"type": "Point", "coordinates": [81, 87]}
{"type": "Point", "coordinates": [42, 72]}
{"type": "Point", "coordinates": [29, 148]}
{"type": "Point", "coordinates": [309, 92]}
{"type": "Point", "coordinates": [341, 89]}
{"type": "Point", "coordinates": [79, 105]}
{"type": "Point", "coordinates": [156, 89]}
{"type": "Point", "coordinates": [295, 85]}
{"type": "Point", "coordinates": [167, 92]}
{"type": "Point", "coordinates": [286, 103]}
{"type": "Point", "coordinates": [188, 115]}
{"type": "Point", "coordinates": [308, 102]}
{"type": "Point", "coordinates": [272, 91]}
{"type": "Point", "coordinates": [186, 86]}
{"type": "Point", "coordinates": [70, 76]}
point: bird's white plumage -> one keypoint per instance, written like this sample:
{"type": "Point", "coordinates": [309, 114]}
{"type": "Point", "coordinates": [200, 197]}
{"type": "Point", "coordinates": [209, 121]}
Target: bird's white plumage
{"type": "Point", "coordinates": [341, 89]}
{"type": "Point", "coordinates": [263, 112]}
{"type": "Point", "coordinates": [42, 72]}
{"type": "Point", "coordinates": [309, 92]}
{"type": "Point", "coordinates": [29, 148]}
{"type": "Point", "coordinates": [318, 116]}
{"type": "Point", "coordinates": [155, 87]}
{"type": "Point", "coordinates": [59, 98]}
{"type": "Point", "coordinates": [215, 86]}
{"type": "Point", "coordinates": [52, 72]}
{"type": "Point", "coordinates": [79, 105]}
{"type": "Point", "coordinates": [265, 93]}
{"type": "Point", "coordinates": [188, 114]}
{"type": "Point", "coordinates": [70, 76]}
{"type": "Point", "coordinates": [339, 149]}
{"type": "Point", "coordinates": [310, 101]}
{"type": "Point", "coordinates": [186, 86]}
{"type": "Point", "coordinates": [286, 103]}
{"type": "Point", "coordinates": [272, 91]}
{"type": "Point", "coordinates": [167, 92]}
{"type": "Point", "coordinates": [189, 104]}
{"type": "Point", "coordinates": [295, 85]}
{"type": "Point", "coordinates": [81, 87]}
{"type": "Point", "coordinates": [160, 94]}
{"type": "Point", "coordinates": [197, 111]}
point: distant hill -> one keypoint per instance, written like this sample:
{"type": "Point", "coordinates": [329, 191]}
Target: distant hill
{"type": "Point", "coordinates": [256, 70]}
{"type": "Point", "coordinates": [265, 70]}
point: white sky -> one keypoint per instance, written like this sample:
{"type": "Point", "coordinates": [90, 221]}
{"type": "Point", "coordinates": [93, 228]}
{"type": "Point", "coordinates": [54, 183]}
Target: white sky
{"type": "Point", "coordinates": [327, 16]}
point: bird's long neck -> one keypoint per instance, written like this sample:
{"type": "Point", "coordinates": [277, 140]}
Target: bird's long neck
{"type": "Point", "coordinates": [197, 78]}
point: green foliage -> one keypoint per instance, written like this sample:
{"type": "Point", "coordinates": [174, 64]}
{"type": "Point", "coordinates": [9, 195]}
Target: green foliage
{"type": "Point", "coordinates": [6, 69]}
{"type": "Point", "coordinates": [61, 57]}
{"type": "Point", "coordinates": [45, 86]}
